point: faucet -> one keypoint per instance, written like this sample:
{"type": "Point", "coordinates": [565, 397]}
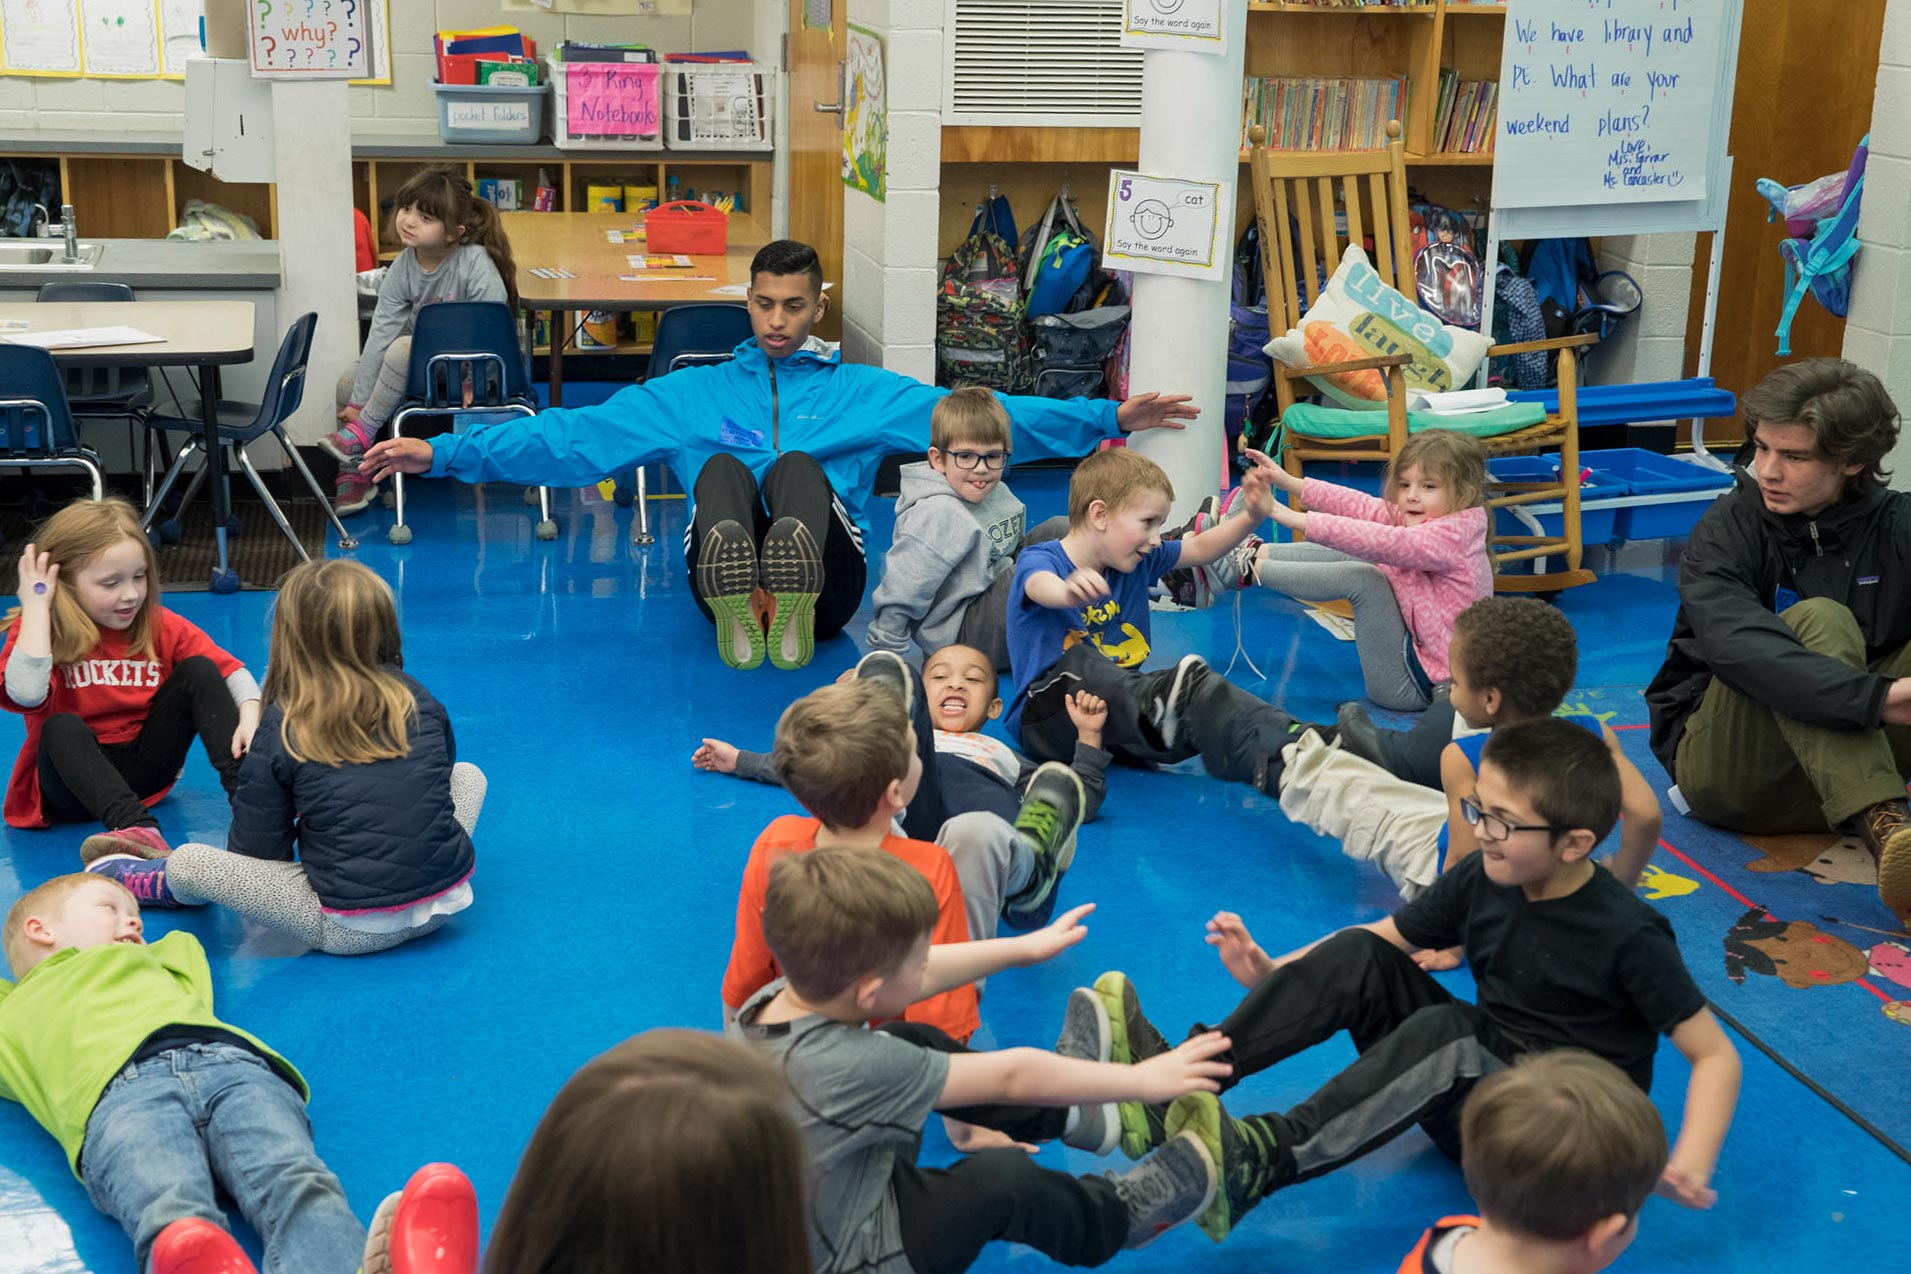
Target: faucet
{"type": "Point", "coordinates": [66, 225]}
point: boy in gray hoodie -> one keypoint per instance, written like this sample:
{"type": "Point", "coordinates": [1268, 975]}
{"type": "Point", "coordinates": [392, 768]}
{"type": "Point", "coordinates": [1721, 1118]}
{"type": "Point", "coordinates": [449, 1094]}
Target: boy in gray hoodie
{"type": "Point", "coordinates": [958, 528]}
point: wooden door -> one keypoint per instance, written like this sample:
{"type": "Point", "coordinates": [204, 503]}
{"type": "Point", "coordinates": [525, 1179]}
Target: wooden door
{"type": "Point", "coordinates": [816, 144]}
{"type": "Point", "coordinates": [1807, 70]}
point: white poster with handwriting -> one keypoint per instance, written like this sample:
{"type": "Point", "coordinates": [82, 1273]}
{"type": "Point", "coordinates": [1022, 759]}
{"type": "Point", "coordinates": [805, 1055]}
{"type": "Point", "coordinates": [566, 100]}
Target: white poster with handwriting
{"type": "Point", "coordinates": [1191, 25]}
{"type": "Point", "coordinates": [122, 38]}
{"type": "Point", "coordinates": [1605, 101]}
{"type": "Point", "coordinates": [1165, 225]}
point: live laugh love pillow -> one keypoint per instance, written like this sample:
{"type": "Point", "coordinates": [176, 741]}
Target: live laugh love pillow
{"type": "Point", "coordinates": [1359, 316]}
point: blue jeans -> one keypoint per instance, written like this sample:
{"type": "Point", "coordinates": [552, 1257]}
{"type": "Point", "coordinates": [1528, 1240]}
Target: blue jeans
{"type": "Point", "coordinates": [170, 1130]}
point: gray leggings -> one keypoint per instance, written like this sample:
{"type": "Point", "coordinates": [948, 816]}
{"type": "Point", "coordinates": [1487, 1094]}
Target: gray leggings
{"type": "Point", "coordinates": [387, 393]}
{"type": "Point", "coordinates": [1315, 573]}
{"type": "Point", "coordinates": [278, 895]}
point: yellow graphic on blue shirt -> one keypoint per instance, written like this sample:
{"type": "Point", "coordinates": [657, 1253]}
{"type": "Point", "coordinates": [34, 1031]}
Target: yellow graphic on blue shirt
{"type": "Point", "coordinates": [1098, 629]}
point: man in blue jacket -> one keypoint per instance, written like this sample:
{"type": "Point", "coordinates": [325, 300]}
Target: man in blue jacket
{"type": "Point", "coordinates": [783, 442]}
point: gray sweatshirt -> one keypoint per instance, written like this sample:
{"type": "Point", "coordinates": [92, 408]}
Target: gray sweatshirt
{"type": "Point", "coordinates": [466, 274]}
{"type": "Point", "coordinates": [945, 553]}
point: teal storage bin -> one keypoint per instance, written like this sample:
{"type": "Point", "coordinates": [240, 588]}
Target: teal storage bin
{"type": "Point", "coordinates": [481, 115]}
{"type": "Point", "coordinates": [1690, 487]}
{"type": "Point", "coordinates": [1596, 514]}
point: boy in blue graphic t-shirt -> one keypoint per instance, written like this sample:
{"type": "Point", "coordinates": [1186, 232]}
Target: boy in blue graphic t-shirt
{"type": "Point", "coordinates": [1078, 620]}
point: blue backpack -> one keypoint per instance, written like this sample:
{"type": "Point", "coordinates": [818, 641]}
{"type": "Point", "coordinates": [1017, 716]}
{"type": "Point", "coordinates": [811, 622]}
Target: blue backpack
{"type": "Point", "coordinates": [1061, 257]}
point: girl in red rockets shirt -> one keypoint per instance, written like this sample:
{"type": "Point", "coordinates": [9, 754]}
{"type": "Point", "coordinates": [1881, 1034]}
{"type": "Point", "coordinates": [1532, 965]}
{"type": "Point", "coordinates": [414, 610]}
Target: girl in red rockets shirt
{"type": "Point", "coordinates": [113, 686]}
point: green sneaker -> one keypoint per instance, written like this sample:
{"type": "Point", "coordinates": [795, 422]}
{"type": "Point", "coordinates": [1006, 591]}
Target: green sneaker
{"type": "Point", "coordinates": [1050, 816]}
{"type": "Point", "coordinates": [726, 579]}
{"type": "Point", "coordinates": [1133, 1039]}
{"type": "Point", "coordinates": [1244, 1150]}
{"type": "Point", "coordinates": [790, 568]}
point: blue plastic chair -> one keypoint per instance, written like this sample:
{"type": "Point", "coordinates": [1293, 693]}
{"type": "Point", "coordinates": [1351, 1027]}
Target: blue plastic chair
{"type": "Point", "coordinates": [465, 357]}
{"type": "Point", "coordinates": [687, 335]}
{"type": "Point", "coordinates": [104, 393]}
{"type": "Point", "coordinates": [36, 424]}
{"type": "Point", "coordinates": [243, 423]}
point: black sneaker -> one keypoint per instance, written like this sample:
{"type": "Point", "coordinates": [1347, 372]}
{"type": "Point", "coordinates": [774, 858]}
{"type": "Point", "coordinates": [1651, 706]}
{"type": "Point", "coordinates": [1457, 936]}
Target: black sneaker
{"type": "Point", "coordinates": [1243, 1149]}
{"type": "Point", "coordinates": [887, 667]}
{"type": "Point", "coordinates": [790, 567]}
{"type": "Point", "coordinates": [726, 579]}
{"type": "Point", "coordinates": [1051, 814]}
{"type": "Point", "coordinates": [1359, 736]}
{"type": "Point", "coordinates": [1169, 704]}
{"type": "Point", "coordinates": [1174, 1184]}
{"type": "Point", "coordinates": [1268, 769]}
{"type": "Point", "coordinates": [1133, 1038]}
{"type": "Point", "coordinates": [1085, 1037]}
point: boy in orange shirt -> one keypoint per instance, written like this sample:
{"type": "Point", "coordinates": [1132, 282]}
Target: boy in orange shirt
{"type": "Point", "coordinates": [848, 753]}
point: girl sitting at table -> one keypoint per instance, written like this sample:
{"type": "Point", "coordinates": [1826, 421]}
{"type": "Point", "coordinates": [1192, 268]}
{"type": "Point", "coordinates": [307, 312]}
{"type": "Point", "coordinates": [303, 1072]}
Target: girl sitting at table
{"type": "Point", "coordinates": [455, 250]}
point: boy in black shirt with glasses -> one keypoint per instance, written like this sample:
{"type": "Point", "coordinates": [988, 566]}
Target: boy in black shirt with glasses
{"type": "Point", "coordinates": [1563, 954]}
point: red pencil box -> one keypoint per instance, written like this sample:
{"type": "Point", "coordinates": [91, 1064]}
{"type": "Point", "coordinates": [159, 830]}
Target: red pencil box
{"type": "Point", "coordinates": [686, 226]}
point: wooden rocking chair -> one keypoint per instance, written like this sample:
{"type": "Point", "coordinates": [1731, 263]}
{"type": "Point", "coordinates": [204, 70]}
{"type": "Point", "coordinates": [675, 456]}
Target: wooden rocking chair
{"type": "Point", "coordinates": [1305, 190]}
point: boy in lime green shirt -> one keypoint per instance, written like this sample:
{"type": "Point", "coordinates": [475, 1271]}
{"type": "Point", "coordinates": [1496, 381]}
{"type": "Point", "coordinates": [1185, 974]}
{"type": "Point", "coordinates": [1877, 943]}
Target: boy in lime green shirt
{"type": "Point", "coordinates": [112, 1045]}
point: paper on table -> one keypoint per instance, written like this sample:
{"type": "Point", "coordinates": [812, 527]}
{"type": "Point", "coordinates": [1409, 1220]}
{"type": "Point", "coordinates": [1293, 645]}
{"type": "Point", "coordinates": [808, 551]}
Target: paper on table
{"type": "Point", "coordinates": [85, 338]}
{"type": "Point", "coordinates": [730, 289]}
{"type": "Point", "coordinates": [661, 277]}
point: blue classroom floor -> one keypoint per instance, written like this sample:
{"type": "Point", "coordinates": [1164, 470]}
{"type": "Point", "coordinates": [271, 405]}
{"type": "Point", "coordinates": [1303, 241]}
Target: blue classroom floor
{"type": "Point", "coordinates": [578, 675]}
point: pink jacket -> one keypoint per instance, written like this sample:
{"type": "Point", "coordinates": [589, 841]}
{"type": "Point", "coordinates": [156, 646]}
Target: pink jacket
{"type": "Point", "coordinates": [1437, 569]}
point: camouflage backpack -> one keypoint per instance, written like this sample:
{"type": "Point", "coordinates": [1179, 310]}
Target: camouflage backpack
{"type": "Point", "coordinates": [981, 333]}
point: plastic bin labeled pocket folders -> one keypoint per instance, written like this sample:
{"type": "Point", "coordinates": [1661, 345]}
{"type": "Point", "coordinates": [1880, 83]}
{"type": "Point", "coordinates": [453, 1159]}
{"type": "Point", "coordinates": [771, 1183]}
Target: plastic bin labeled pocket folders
{"type": "Point", "coordinates": [480, 114]}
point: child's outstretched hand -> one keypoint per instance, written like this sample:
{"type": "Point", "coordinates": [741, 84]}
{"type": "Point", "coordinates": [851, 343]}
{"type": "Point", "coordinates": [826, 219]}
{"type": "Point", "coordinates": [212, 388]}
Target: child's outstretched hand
{"type": "Point", "coordinates": [39, 574]}
{"type": "Point", "coordinates": [1062, 933]}
{"type": "Point", "coordinates": [1084, 586]}
{"type": "Point", "coordinates": [1277, 477]}
{"type": "Point", "coordinates": [1090, 714]}
{"type": "Point", "coordinates": [715, 755]}
{"type": "Point", "coordinates": [248, 726]}
{"type": "Point", "coordinates": [1191, 1068]}
{"type": "Point", "coordinates": [1685, 1188]}
{"type": "Point", "coordinates": [1240, 954]}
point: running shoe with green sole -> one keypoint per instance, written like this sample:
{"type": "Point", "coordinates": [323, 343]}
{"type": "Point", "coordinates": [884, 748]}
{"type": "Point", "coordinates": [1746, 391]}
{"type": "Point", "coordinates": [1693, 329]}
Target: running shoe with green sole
{"type": "Point", "coordinates": [790, 568]}
{"type": "Point", "coordinates": [726, 578]}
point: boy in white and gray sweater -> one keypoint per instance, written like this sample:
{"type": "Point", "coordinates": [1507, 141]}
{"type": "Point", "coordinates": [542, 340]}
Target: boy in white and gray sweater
{"type": "Point", "coordinates": [958, 528]}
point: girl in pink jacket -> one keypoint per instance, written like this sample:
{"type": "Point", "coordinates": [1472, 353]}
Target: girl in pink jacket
{"type": "Point", "coordinates": [1409, 563]}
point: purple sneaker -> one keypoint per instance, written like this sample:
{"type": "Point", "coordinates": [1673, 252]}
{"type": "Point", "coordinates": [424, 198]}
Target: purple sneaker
{"type": "Point", "coordinates": [144, 878]}
{"type": "Point", "coordinates": [353, 494]}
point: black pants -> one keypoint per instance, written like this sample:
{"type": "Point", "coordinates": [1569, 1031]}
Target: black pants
{"type": "Point", "coordinates": [794, 487]}
{"type": "Point", "coordinates": [949, 1214]}
{"type": "Point", "coordinates": [1232, 731]}
{"type": "Point", "coordinates": [1414, 755]}
{"type": "Point", "coordinates": [83, 780]}
{"type": "Point", "coordinates": [1421, 1051]}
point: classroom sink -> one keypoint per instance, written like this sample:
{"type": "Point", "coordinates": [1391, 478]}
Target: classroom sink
{"type": "Point", "coordinates": [48, 254]}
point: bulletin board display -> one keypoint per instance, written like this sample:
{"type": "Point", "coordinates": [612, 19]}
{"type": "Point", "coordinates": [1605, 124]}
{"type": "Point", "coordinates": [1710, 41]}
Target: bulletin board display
{"type": "Point", "coordinates": [151, 39]}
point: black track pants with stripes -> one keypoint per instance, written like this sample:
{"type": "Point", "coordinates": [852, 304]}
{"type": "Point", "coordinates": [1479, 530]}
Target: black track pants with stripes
{"type": "Point", "coordinates": [1421, 1051]}
{"type": "Point", "coordinates": [793, 487]}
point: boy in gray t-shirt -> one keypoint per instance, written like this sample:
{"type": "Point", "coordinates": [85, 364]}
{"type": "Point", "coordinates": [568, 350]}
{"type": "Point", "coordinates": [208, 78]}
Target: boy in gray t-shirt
{"type": "Point", "coordinates": [850, 929]}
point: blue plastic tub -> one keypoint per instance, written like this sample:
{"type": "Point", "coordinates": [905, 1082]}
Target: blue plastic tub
{"type": "Point", "coordinates": [1647, 473]}
{"type": "Point", "coordinates": [1596, 513]}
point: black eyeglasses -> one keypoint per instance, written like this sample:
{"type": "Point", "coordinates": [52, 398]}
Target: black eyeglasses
{"type": "Point", "coordinates": [1494, 828]}
{"type": "Point", "coordinates": [990, 460]}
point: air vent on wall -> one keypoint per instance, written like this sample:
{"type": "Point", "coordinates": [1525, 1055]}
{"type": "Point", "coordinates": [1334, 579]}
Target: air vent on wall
{"type": "Point", "coordinates": [1050, 63]}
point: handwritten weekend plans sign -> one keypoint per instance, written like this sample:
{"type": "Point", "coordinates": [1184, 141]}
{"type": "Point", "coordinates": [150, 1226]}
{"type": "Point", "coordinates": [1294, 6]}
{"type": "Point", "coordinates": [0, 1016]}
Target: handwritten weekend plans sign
{"type": "Point", "coordinates": [1606, 101]}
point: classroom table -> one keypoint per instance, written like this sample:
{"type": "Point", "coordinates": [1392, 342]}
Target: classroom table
{"type": "Point", "coordinates": [576, 241]}
{"type": "Point", "coordinates": [206, 335]}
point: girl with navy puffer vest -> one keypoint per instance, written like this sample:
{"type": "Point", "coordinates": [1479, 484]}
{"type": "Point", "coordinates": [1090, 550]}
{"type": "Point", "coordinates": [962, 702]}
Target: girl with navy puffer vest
{"type": "Point", "coordinates": [353, 763]}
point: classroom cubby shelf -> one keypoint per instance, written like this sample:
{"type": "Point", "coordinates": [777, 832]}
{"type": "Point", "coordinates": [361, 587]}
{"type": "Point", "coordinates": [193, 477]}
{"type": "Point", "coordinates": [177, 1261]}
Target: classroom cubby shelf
{"type": "Point", "coordinates": [1416, 41]}
{"type": "Point", "coordinates": [138, 187]}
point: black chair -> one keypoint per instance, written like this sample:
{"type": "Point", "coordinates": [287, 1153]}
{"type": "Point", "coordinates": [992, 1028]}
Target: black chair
{"type": "Point", "coordinates": [105, 393]}
{"type": "Point", "coordinates": [244, 423]}
{"type": "Point", "coordinates": [36, 425]}
{"type": "Point", "coordinates": [687, 335]}
{"type": "Point", "coordinates": [465, 357]}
